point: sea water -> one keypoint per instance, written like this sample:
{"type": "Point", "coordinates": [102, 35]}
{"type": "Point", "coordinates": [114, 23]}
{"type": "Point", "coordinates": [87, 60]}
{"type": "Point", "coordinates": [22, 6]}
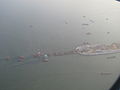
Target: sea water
{"type": "Point", "coordinates": [57, 25]}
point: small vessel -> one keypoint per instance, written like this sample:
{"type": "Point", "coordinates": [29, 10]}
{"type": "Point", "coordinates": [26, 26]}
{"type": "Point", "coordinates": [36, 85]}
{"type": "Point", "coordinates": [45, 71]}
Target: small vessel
{"type": "Point", "coordinates": [45, 58]}
{"type": "Point", "coordinates": [7, 58]}
{"type": "Point", "coordinates": [21, 58]}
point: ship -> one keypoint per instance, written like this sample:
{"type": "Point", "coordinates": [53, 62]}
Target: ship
{"type": "Point", "coordinates": [97, 49]}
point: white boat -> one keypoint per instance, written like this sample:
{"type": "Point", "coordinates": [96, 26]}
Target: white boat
{"type": "Point", "coordinates": [101, 53]}
{"type": "Point", "coordinates": [98, 49]}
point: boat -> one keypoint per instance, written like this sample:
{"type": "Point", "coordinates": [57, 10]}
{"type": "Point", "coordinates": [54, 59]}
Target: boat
{"type": "Point", "coordinates": [97, 49]}
{"type": "Point", "coordinates": [45, 58]}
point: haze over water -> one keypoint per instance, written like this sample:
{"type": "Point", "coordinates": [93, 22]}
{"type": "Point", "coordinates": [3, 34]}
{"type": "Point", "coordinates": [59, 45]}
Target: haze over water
{"type": "Point", "coordinates": [58, 25]}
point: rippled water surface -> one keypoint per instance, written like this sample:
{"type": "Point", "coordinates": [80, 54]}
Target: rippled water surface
{"type": "Point", "coordinates": [58, 25]}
